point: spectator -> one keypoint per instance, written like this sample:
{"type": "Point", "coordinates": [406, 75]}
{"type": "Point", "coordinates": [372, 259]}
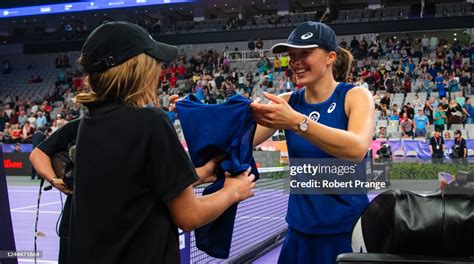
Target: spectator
{"type": "Point", "coordinates": [173, 80]}
{"type": "Point", "coordinates": [27, 132]}
{"type": "Point", "coordinates": [377, 98]}
{"type": "Point", "coordinates": [382, 133]}
{"type": "Point", "coordinates": [427, 84]}
{"type": "Point", "coordinates": [394, 116]}
{"type": "Point", "coordinates": [437, 147]}
{"type": "Point", "coordinates": [284, 62]}
{"type": "Point", "coordinates": [417, 101]}
{"type": "Point", "coordinates": [248, 88]}
{"type": "Point", "coordinates": [440, 85]}
{"type": "Point", "coordinates": [165, 84]}
{"type": "Point", "coordinates": [13, 120]}
{"type": "Point", "coordinates": [455, 113]}
{"type": "Point", "coordinates": [259, 44]}
{"type": "Point", "coordinates": [181, 71]}
{"type": "Point", "coordinates": [447, 135]}
{"type": "Point", "coordinates": [407, 84]}
{"type": "Point", "coordinates": [277, 64]}
{"type": "Point", "coordinates": [17, 148]}
{"type": "Point", "coordinates": [199, 91]}
{"type": "Point", "coordinates": [251, 45]}
{"type": "Point", "coordinates": [7, 133]}
{"type": "Point", "coordinates": [440, 118]}
{"type": "Point", "coordinates": [460, 99]}
{"type": "Point", "coordinates": [406, 126]}
{"type": "Point", "coordinates": [59, 122]}
{"type": "Point", "coordinates": [469, 108]}
{"type": "Point", "coordinates": [464, 81]}
{"type": "Point", "coordinates": [459, 149]}
{"type": "Point", "coordinates": [289, 85]}
{"type": "Point", "coordinates": [41, 120]}
{"type": "Point", "coordinates": [22, 118]}
{"type": "Point", "coordinates": [389, 84]}
{"type": "Point", "coordinates": [355, 44]}
{"type": "Point", "coordinates": [425, 43]}
{"type": "Point", "coordinates": [406, 109]}
{"type": "Point", "coordinates": [444, 104]}
{"type": "Point", "coordinates": [343, 44]}
{"type": "Point", "coordinates": [384, 114]}
{"type": "Point", "coordinates": [453, 84]}
{"type": "Point", "coordinates": [385, 99]}
{"type": "Point", "coordinates": [428, 111]}
{"type": "Point", "coordinates": [422, 123]}
{"type": "Point", "coordinates": [32, 119]}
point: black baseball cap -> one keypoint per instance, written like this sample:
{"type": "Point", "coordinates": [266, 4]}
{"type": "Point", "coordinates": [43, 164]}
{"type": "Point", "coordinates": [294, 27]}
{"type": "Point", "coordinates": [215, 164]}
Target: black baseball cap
{"type": "Point", "coordinates": [113, 43]}
{"type": "Point", "coordinates": [309, 34]}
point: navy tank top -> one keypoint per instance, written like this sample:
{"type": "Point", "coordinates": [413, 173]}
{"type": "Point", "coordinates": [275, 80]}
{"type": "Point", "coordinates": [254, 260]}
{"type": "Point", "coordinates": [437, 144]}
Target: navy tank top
{"type": "Point", "coordinates": [321, 214]}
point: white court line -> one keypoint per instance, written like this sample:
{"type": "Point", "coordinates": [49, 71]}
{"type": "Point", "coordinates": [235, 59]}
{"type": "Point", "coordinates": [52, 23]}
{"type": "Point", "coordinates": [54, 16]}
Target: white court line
{"type": "Point", "coordinates": [33, 206]}
{"type": "Point", "coordinates": [22, 191]}
{"type": "Point", "coordinates": [262, 217]}
{"type": "Point", "coordinates": [41, 212]}
{"type": "Point", "coordinates": [38, 261]}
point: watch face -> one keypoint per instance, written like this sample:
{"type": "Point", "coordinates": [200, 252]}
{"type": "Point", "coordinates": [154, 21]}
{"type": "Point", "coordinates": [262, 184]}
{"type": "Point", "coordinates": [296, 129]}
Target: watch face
{"type": "Point", "coordinates": [304, 126]}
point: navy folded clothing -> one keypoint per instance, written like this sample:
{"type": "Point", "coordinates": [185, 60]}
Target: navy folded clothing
{"type": "Point", "coordinates": [213, 130]}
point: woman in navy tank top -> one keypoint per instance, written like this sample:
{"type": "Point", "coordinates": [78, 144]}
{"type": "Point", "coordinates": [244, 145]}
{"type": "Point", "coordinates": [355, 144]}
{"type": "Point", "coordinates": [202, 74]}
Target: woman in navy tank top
{"type": "Point", "coordinates": [325, 119]}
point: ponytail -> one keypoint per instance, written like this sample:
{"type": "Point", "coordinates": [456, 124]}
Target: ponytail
{"type": "Point", "coordinates": [85, 97]}
{"type": "Point", "coordinates": [342, 65]}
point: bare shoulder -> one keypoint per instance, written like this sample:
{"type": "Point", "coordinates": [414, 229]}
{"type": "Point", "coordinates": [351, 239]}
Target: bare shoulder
{"type": "Point", "coordinates": [359, 91]}
{"type": "Point", "coordinates": [358, 97]}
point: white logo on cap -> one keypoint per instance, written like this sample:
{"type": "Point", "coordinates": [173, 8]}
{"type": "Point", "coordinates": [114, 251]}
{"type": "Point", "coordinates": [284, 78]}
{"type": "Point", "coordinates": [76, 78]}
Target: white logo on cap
{"type": "Point", "coordinates": [307, 35]}
{"type": "Point", "coordinates": [331, 108]}
{"type": "Point", "coordinates": [314, 116]}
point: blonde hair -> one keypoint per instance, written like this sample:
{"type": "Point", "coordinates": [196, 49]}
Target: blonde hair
{"type": "Point", "coordinates": [133, 82]}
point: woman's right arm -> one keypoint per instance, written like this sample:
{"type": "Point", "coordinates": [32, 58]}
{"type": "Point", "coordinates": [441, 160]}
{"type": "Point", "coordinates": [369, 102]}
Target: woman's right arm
{"type": "Point", "coordinates": [263, 133]}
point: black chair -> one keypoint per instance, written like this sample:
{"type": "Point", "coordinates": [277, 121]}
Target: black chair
{"type": "Point", "coordinates": [405, 227]}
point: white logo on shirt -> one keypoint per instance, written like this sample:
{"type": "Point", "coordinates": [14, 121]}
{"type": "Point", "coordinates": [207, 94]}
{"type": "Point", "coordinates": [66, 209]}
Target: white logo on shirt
{"type": "Point", "coordinates": [331, 108]}
{"type": "Point", "coordinates": [314, 116]}
{"type": "Point", "coordinates": [307, 35]}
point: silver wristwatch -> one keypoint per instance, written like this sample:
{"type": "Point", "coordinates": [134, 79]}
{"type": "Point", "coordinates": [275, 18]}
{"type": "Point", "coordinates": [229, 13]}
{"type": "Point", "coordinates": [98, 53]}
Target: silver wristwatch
{"type": "Point", "coordinates": [303, 125]}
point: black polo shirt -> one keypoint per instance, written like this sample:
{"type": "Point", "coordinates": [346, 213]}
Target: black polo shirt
{"type": "Point", "coordinates": [61, 139]}
{"type": "Point", "coordinates": [462, 146]}
{"type": "Point", "coordinates": [437, 145]}
{"type": "Point", "coordinates": [129, 163]}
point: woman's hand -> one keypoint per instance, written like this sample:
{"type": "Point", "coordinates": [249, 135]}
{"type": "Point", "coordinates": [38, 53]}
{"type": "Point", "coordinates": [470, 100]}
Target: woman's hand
{"type": "Point", "coordinates": [207, 173]}
{"type": "Point", "coordinates": [173, 99]}
{"type": "Point", "coordinates": [61, 186]}
{"type": "Point", "coordinates": [277, 115]}
{"type": "Point", "coordinates": [241, 186]}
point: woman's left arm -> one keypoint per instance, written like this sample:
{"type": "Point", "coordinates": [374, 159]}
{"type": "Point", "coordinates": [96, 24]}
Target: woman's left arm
{"type": "Point", "coordinates": [351, 144]}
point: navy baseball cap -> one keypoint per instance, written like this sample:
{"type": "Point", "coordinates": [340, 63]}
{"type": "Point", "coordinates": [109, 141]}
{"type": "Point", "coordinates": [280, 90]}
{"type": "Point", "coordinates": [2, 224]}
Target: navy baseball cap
{"type": "Point", "coordinates": [309, 34]}
{"type": "Point", "coordinates": [113, 43]}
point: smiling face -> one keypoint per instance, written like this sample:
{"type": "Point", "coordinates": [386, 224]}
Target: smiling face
{"type": "Point", "coordinates": [310, 65]}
